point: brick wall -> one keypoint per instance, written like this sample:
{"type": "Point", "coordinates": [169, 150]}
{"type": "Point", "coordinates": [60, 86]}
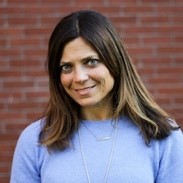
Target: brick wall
{"type": "Point", "coordinates": [152, 30]}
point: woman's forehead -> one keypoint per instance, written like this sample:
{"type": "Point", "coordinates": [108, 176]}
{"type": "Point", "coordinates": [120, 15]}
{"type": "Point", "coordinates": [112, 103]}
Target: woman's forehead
{"type": "Point", "coordinates": [78, 48]}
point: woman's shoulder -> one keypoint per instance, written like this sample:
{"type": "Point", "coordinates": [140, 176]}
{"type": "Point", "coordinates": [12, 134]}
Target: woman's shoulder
{"type": "Point", "coordinates": [30, 135]}
{"type": "Point", "coordinates": [175, 138]}
{"type": "Point", "coordinates": [34, 127]}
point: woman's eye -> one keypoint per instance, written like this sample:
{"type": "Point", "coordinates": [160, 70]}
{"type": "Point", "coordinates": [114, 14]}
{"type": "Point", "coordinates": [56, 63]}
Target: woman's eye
{"type": "Point", "coordinates": [65, 68]}
{"type": "Point", "coordinates": [93, 62]}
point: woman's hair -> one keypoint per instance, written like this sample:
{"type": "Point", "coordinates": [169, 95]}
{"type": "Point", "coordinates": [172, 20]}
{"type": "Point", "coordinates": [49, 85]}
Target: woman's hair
{"type": "Point", "coordinates": [130, 97]}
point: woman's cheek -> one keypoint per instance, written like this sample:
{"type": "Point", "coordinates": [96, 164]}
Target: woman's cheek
{"type": "Point", "coordinates": [65, 80]}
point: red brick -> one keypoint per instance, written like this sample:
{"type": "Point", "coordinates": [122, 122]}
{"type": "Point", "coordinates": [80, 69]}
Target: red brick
{"type": "Point", "coordinates": [22, 21]}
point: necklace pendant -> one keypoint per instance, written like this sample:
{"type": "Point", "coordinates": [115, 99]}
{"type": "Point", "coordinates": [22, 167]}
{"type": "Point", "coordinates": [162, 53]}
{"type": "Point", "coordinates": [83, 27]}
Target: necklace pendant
{"type": "Point", "coordinates": [99, 138]}
{"type": "Point", "coordinates": [104, 138]}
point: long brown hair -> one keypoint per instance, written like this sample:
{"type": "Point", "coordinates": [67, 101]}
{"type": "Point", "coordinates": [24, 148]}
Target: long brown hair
{"type": "Point", "coordinates": [130, 97]}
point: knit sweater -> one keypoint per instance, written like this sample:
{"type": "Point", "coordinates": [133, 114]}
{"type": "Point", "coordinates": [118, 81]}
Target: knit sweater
{"type": "Point", "coordinates": [131, 160]}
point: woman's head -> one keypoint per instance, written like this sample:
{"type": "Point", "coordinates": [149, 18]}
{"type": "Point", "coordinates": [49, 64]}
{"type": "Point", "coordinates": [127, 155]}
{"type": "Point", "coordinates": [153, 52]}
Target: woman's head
{"type": "Point", "coordinates": [97, 30]}
{"type": "Point", "coordinates": [85, 77]}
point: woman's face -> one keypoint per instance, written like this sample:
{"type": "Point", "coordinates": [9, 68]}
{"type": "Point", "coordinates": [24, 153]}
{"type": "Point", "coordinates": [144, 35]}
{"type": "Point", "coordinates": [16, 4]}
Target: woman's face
{"type": "Point", "coordinates": [83, 75]}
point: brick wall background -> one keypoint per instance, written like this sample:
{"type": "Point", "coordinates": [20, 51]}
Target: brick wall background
{"type": "Point", "coordinates": [153, 31]}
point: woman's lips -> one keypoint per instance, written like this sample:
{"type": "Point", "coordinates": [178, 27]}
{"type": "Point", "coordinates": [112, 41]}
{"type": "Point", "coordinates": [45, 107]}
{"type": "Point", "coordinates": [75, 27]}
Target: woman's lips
{"type": "Point", "coordinates": [84, 91]}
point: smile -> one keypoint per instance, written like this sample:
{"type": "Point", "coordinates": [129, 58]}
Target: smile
{"type": "Point", "coordinates": [84, 91]}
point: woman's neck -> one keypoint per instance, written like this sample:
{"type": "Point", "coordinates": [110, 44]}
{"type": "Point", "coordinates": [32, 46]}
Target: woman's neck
{"type": "Point", "coordinates": [97, 113]}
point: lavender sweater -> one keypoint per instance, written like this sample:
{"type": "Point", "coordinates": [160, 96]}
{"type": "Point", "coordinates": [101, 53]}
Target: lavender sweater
{"type": "Point", "coordinates": [132, 162]}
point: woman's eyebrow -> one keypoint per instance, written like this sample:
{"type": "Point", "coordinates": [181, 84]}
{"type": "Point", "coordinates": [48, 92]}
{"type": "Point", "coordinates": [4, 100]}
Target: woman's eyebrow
{"type": "Point", "coordinates": [83, 59]}
{"type": "Point", "coordinates": [90, 57]}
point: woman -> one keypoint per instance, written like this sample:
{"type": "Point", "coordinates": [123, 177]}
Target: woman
{"type": "Point", "coordinates": [101, 124]}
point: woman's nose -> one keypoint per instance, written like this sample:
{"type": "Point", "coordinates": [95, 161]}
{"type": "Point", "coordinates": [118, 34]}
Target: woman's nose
{"type": "Point", "coordinates": [80, 75]}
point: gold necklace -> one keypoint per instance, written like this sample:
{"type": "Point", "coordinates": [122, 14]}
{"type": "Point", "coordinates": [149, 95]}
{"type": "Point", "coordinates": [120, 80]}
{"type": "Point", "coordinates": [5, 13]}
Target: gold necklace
{"type": "Point", "coordinates": [110, 157]}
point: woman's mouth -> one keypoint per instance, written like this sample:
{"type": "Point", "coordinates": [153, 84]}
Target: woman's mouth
{"type": "Point", "coordinates": [84, 91]}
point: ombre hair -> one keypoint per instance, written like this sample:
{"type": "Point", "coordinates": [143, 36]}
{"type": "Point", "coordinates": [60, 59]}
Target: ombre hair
{"type": "Point", "coordinates": [129, 95]}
